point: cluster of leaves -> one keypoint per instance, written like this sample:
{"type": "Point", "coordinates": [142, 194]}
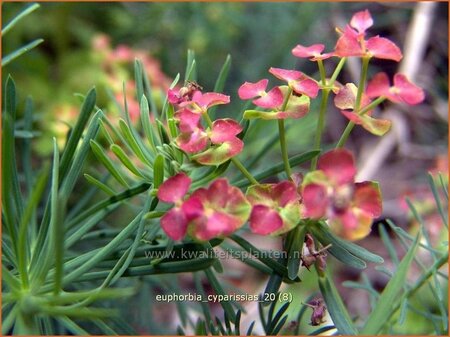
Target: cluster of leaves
{"type": "Point", "coordinates": [50, 252]}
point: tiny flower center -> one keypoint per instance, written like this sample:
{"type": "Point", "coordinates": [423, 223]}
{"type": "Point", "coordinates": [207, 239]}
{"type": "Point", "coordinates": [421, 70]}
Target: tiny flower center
{"type": "Point", "coordinates": [342, 198]}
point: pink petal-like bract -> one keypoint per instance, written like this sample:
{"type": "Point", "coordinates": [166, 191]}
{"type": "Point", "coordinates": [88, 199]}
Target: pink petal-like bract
{"type": "Point", "coordinates": [270, 100]}
{"type": "Point", "coordinates": [315, 200]}
{"type": "Point", "coordinates": [224, 130]}
{"type": "Point", "coordinates": [174, 223]}
{"type": "Point", "coordinates": [217, 224]}
{"type": "Point", "coordinates": [192, 142]}
{"type": "Point", "coordinates": [407, 91]}
{"type": "Point", "coordinates": [205, 101]}
{"type": "Point", "coordinates": [250, 90]}
{"type": "Point", "coordinates": [285, 192]}
{"type": "Point", "coordinates": [264, 220]}
{"type": "Point", "coordinates": [188, 121]}
{"type": "Point", "coordinates": [367, 197]}
{"type": "Point", "coordinates": [173, 96]}
{"type": "Point", "coordinates": [378, 86]}
{"type": "Point", "coordinates": [286, 75]}
{"type": "Point", "coordinates": [376, 126]}
{"type": "Point", "coordinates": [348, 44]}
{"type": "Point", "coordinates": [361, 21]}
{"type": "Point", "coordinates": [383, 48]}
{"type": "Point", "coordinates": [305, 52]}
{"type": "Point", "coordinates": [306, 87]}
{"type": "Point", "coordinates": [174, 188]}
{"type": "Point", "coordinates": [339, 165]}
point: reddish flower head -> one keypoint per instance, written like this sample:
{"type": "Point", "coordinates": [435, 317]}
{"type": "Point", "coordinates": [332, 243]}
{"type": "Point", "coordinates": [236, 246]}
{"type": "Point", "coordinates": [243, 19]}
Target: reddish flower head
{"type": "Point", "coordinates": [299, 82]}
{"type": "Point", "coordinates": [266, 100]}
{"type": "Point", "coordinates": [345, 99]}
{"type": "Point", "coordinates": [402, 91]}
{"type": "Point", "coordinates": [353, 43]}
{"type": "Point", "coordinates": [216, 211]}
{"type": "Point", "coordinates": [174, 222]}
{"type": "Point", "coordinates": [208, 213]}
{"type": "Point", "coordinates": [313, 52]}
{"type": "Point", "coordinates": [330, 192]}
{"type": "Point", "coordinates": [276, 208]}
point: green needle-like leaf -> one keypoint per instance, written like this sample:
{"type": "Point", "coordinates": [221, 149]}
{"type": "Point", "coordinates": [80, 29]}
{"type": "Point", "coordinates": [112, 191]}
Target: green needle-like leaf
{"type": "Point", "coordinates": [22, 50]}
{"type": "Point", "coordinates": [132, 142]}
{"type": "Point", "coordinates": [107, 162]}
{"type": "Point", "coordinates": [219, 291]}
{"type": "Point", "coordinates": [99, 184]}
{"type": "Point", "coordinates": [390, 295]}
{"type": "Point", "coordinates": [335, 306]}
{"type": "Point", "coordinates": [125, 160]}
{"type": "Point", "coordinates": [26, 11]}
{"type": "Point", "coordinates": [158, 171]}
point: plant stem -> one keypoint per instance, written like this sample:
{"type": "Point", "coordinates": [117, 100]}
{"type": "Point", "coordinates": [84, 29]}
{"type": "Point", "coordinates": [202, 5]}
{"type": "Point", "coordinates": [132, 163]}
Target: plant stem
{"type": "Point", "coordinates": [235, 161]}
{"type": "Point", "coordinates": [361, 86]}
{"type": "Point", "coordinates": [337, 70]}
{"type": "Point", "coordinates": [282, 134]}
{"type": "Point", "coordinates": [322, 72]}
{"type": "Point", "coordinates": [320, 124]}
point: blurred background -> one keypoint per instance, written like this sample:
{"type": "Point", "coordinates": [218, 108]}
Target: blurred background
{"type": "Point", "coordinates": [95, 44]}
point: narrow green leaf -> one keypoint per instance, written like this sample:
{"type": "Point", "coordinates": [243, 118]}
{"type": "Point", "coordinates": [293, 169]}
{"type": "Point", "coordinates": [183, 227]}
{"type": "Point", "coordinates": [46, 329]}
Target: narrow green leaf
{"type": "Point", "coordinates": [125, 160]}
{"type": "Point", "coordinates": [294, 247]}
{"type": "Point", "coordinates": [191, 67]}
{"type": "Point", "coordinates": [109, 201]}
{"type": "Point", "coordinates": [384, 235]}
{"type": "Point", "coordinates": [220, 82]}
{"type": "Point", "coordinates": [219, 291]}
{"type": "Point", "coordinates": [293, 161]}
{"type": "Point", "coordinates": [162, 132]}
{"type": "Point", "coordinates": [9, 319]}
{"type": "Point", "coordinates": [158, 171]}
{"type": "Point", "coordinates": [201, 291]}
{"type": "Point", "coordinates": [437, 198]}
{"type": "Point", "coordinates": [56, 224]}
{"type": "Point", "coordinates": [26, 11]}
{"type": "Point", "coordinates": [10, 280]}
{"type": "Point", "coordinates": [22, 50]}
{"type": "Point", "coordinates": [335, 306]}
{"type": "Point", "coordinates": [105, 132]}
{"type": "Point", "coordinates": [148, 91]}
{"type": "Point", "coordinates": [107, 162]}
{"type": "Point", "coordinates": [145, 121]}
{"type": "Point", "coordinates": [132, 142]}
{"type": "Point", "coordinates": [99, 184]}
{"type": "Point", "coordinates": [138, 78]}
{"type": "Point", "coordinates": [390, 295]}
{"type": "Point", "coordinates": [336, 249]}
{"type": "Point", "coordinates": [33, 202]}
{"type": "Point", "coordinates": [80, 156]}
{"type": "Point", "coordinates": [352, 248]}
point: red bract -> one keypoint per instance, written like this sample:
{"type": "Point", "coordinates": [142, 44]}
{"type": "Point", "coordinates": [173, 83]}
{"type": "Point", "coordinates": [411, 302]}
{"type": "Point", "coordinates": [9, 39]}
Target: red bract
{"type": "Point", "coordinates": [299, 82]}
{"type": "Point", "coordinates": [331, 193]}
{"type": "Point", "coordinates": [402, 91]}
{"type": "Point", "coordinates": [225, 143]}
{"type": "Point", "coordinates": [313, 52]}
{"type": "Point", "coordinates": [216, 211]}
{"type": "Point", "coordinates": [174, 222]}
{"type": "Point", "coordinates": [276, 208]}
{"type": "Point", "coordinates": [346, 98]}
{"type": "Point", "coordinates": [266, 100]}
{"type": "Point", "coordinates": [208, 213]}
{"type": "Point", "coordinates": [353, 43]}
{"type": "Point", "coordinates": [200, 102]}
{"type": "Point", "coordinates": [192, 137]}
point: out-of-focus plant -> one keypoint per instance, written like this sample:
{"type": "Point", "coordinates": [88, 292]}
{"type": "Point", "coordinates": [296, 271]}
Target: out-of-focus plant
{"type": "Point", "coordinates": [176, 155]}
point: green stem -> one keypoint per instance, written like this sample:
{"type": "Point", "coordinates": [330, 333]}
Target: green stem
{"type": "Point", "coordinates": [322, 72]}
{"type": "Point", "coordinates": [320, 125]}
{"type": "Point", "coordinates": [244, 171]}
{"type": "Point", "coordinates": [235, 161]}
{"type": "Point", "coordinates": [361, 86]}
{"type": "Point", "coordinates": [282, 134]}
{"type": "Point", "coordinates": [337, 70]}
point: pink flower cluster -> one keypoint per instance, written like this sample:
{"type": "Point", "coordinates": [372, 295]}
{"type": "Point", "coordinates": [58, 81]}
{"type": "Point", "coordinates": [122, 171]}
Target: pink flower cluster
{"type": "Point", "coordinates": [328, 193]}
{"type": "Point", "coordinates": [352, 42]}
{"type": "Point", "coordinates": [213, 145]}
